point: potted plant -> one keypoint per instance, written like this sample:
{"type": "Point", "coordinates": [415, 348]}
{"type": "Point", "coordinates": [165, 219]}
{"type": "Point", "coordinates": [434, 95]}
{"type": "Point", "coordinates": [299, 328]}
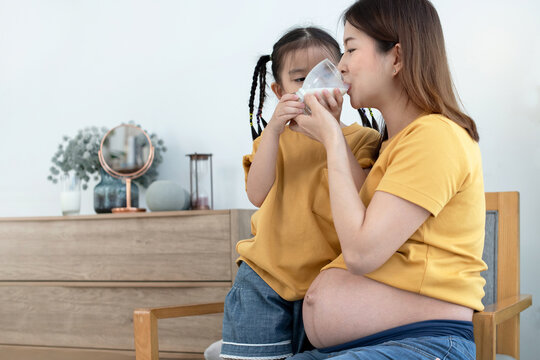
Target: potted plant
{"type": "Point", "coordinates": [79, 155]}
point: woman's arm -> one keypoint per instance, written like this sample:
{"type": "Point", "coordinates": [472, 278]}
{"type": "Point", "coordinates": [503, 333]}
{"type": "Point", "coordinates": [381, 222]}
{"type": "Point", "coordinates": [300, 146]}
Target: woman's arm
{"type": "Point", "coordinates": [358, 173]}
{"type": "Point", "coordinates": [368, 237]}
{"type": "Point", "coordinates": [333, 102]}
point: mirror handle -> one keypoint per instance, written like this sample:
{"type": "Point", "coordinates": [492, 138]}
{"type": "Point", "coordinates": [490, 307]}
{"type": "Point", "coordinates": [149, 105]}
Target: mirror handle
{"type": "Point", "coordinates": [128, 193]}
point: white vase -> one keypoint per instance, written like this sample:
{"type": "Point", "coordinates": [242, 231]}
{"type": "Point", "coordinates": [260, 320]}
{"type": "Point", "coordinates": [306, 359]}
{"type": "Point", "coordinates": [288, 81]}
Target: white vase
{"type": "Point", "coordinates": [70, 194]}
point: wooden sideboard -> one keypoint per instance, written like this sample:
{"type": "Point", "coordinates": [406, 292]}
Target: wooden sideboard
{"type": "Point", "coordinates": [69, 285]}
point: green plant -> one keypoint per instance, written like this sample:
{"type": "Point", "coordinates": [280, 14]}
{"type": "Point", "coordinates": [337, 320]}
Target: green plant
{"type": "Point", "coordinates": [152, 173]}
{"type": "Point", "coordinates": [80, 155]}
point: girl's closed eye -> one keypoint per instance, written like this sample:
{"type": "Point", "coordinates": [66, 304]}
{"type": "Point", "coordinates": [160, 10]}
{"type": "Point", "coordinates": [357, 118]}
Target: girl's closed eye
{"type": "Point", "coordinates": [300, 79]}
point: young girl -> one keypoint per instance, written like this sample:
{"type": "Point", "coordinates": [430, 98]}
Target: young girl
{"type": "Point", "coordinates": [286, 177]}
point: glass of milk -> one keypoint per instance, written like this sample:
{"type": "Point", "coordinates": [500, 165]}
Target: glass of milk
{"type": "Point", "coordinates": [70, 194]}
{"type": "Point", "coordinates": [324, 75]}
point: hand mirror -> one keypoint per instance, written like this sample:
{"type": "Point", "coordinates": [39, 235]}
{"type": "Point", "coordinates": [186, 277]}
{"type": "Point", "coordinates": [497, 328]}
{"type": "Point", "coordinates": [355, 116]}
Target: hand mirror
{"type": "Point", "coordinates": [126, 153]}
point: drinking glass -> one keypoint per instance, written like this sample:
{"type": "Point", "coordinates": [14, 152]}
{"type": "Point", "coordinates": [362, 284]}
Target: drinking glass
{"type": "Point", "coordinates": [324, 76]}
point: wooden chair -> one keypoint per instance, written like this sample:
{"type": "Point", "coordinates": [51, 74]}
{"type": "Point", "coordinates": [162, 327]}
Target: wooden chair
{"type": "Point", "coordinates": [496, 329]}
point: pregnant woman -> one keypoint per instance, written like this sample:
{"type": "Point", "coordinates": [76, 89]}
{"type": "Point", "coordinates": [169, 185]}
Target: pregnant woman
{"type": "Point", "coordinates": [408, 279]}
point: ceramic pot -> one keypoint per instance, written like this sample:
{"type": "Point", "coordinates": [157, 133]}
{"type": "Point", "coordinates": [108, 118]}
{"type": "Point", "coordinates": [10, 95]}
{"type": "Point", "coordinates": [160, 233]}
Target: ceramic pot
{"type": "Point", "coordinates": [165, 195]}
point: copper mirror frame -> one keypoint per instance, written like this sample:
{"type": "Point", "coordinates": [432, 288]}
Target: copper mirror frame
{"type": "Point", "coordinates": [127, 176]}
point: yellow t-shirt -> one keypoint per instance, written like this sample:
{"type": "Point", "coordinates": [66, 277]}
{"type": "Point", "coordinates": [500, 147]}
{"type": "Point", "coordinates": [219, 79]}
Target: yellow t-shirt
{"type": "Point", "coordinates": [434, 163]}
{"type": "Point", "coordinates": [294, 236]}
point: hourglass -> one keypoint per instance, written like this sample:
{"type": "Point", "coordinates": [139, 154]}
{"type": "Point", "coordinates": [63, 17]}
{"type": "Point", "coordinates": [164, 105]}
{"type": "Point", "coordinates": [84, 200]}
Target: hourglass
{"type": "Point", "coordinates": [200, 184]}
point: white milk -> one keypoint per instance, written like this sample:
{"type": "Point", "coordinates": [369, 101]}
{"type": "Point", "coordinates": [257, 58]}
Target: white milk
{"type": "Point", "coordinates": [70, 202]}
{"type": "Point", "coordinates": [302, 92]}
{"type": "Point", "coordinates": [320, 90]}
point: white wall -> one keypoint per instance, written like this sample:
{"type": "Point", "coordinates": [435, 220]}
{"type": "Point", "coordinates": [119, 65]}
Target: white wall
{"type": "Point", "coordinates": [183, 69]}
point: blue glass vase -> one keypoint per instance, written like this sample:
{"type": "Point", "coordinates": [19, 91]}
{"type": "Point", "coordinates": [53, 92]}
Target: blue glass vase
{"type": "Point", "coordinates": [110, 193]}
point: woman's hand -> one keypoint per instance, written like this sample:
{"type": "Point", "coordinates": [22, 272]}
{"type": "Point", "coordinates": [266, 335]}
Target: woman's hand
{"type": "Point", "coordinates": [332, 101]}
{"type": "Point", "coordinates": [321, 125]}
{"type": "Point", "coordinates": [287, 109]}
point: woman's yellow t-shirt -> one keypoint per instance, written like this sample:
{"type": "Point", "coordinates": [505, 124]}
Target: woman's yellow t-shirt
{"type": "Point", "coordinates": [434, 163]}
{"type": "Point", "coordinates": [294, 236]}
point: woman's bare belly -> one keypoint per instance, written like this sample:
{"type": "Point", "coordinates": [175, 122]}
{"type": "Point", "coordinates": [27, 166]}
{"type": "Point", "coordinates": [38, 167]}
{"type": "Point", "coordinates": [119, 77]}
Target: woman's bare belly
{"type": "Point", "coordinates": [341, 307]}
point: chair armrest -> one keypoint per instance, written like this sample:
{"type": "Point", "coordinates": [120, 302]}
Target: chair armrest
{"type": "Point", "coordinates": [167, 312]}
{"type": "Point", "coordinates": [145, 325]}
{"type": "Point", "coordinates": [505, 309]}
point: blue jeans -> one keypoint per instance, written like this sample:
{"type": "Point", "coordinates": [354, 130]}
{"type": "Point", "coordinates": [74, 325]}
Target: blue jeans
{"type": "Point", "coordinates": [258, 323]}
{"type": "Point", "coordinates": [422, 348]}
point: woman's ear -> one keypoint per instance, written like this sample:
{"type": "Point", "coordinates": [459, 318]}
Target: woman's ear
{"type": "Point", "coordinates": [277, 89]}
{"type": "Point", "coordinates": [398, 64]}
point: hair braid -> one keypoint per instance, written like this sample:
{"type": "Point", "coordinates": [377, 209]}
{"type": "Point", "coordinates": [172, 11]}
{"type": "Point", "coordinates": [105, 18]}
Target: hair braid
{"type": "Point", "coordinates": [262, 96]}
{"type": "Point", "coordinates": [383, 131]}
{"type": "Point", "coordinates": [251, 97]}
{"type": "Point", "coordinates": [370, 123]}
{"type": "Point", "coordinates": [259, 75]}
{"type": "Point", "coordinates": [364, 118]}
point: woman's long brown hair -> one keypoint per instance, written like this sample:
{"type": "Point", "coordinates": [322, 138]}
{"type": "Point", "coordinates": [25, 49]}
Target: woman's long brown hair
{"type": "Point", "coordinates": [425, 74]}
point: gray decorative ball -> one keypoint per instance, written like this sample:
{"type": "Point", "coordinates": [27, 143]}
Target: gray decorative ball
{"type": "Point", "coordinates": [165, 195]}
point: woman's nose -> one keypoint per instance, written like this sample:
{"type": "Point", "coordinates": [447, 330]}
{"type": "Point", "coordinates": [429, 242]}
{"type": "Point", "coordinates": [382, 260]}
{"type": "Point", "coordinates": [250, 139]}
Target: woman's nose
{"type": "Point", "coordinates": [341, 66]}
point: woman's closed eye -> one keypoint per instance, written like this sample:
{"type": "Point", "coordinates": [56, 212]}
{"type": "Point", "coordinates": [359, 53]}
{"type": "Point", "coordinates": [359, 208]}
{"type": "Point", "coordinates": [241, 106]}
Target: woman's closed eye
{"type": "Point", "coordinates": [350, 50]}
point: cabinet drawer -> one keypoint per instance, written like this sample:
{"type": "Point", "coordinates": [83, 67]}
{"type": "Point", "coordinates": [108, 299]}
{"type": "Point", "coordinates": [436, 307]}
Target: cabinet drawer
{"type": "Point", "coordinates": [102, 318]}
{"type": "Point", "coordinates": [168, 248]}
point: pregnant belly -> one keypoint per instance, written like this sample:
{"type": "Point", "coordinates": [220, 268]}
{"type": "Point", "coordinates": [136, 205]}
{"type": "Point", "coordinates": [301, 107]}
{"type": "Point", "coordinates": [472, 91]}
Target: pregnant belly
{"type": "Point", "coordinates": [341, 307]}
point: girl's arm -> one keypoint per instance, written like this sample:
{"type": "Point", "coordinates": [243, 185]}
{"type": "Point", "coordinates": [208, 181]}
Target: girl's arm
{"type": "Point", "coordinates": [262, 171]}
{"type": "Point", "coordinates": [368, 237]}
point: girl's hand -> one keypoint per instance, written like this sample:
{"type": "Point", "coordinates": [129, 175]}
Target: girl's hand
{"type": "Point", "coordinates": [287, 109]}
{"type": "Point", "coordinates": [332, 101]}
{"type": "Point", "coordinates": [321, 125]}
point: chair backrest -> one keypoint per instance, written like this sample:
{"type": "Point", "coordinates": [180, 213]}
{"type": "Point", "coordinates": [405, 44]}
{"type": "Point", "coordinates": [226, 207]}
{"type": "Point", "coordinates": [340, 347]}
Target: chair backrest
{"type": "Point", "coordinates": [490, 257]}
{"type": "Point", "coordinates": [501, 253]}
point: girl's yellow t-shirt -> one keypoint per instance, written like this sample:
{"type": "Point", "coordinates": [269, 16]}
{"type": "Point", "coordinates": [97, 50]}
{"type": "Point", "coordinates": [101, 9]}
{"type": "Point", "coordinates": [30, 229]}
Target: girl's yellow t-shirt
{"type": "Point", "coordinates": [434, 163]}
{"type": "Point", "coordinates": [294, 236]}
